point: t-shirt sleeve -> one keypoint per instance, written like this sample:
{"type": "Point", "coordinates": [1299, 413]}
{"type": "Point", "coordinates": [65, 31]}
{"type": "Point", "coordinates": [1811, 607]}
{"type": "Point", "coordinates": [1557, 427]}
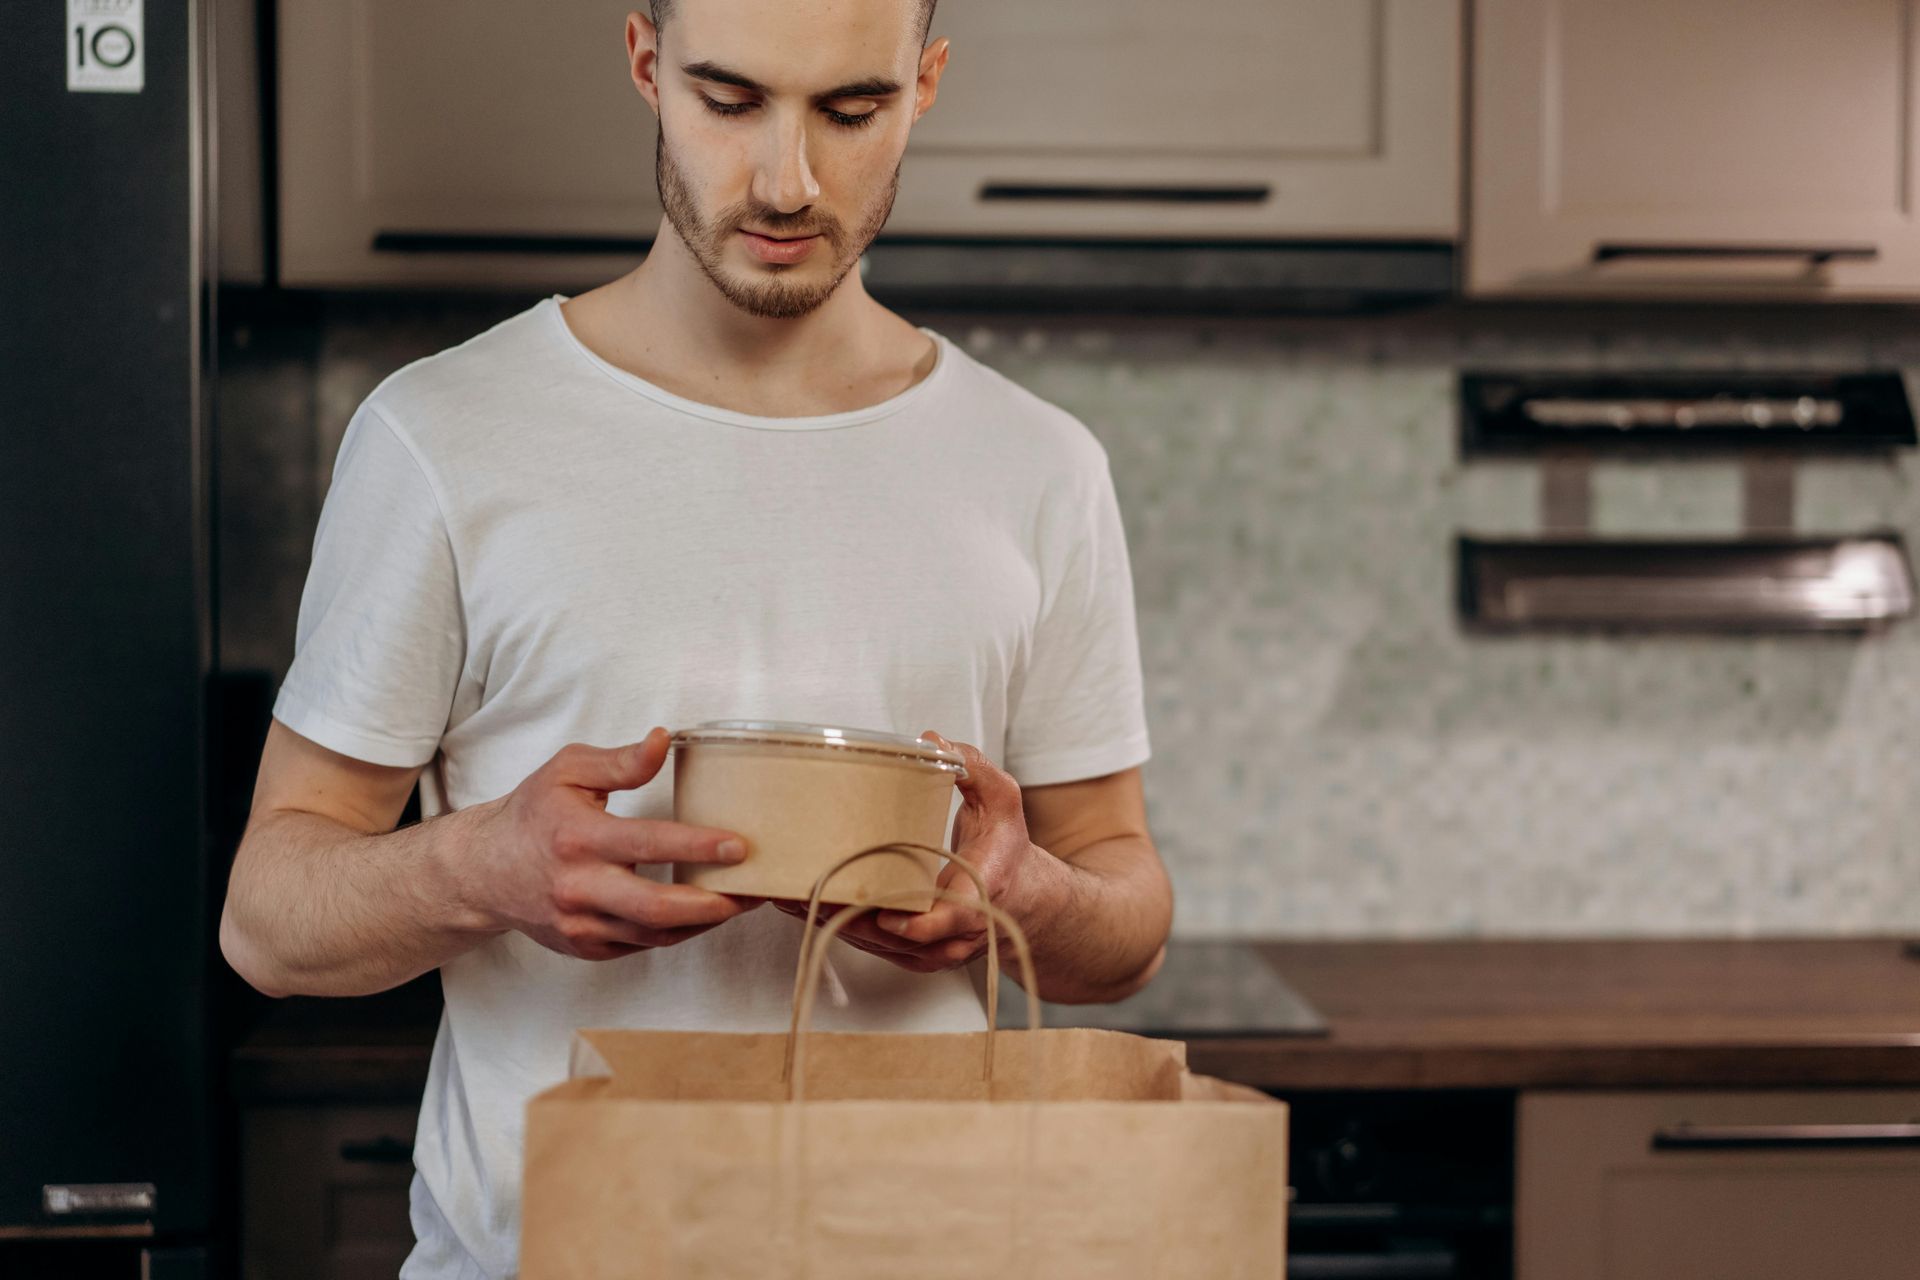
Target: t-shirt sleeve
{"type": "Point", "coordinates": [1078, 710]}
{"type": "Point", "coordinates": [380, 642]}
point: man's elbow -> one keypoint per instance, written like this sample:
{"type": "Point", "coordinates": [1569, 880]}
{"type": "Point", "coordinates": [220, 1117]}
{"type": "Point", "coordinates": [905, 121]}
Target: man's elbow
{"type": "Point", "coordinates": [1107, 991]}
{"type": "Point", "coordinates": [1138, 981]}
{"type": "Point", "coordinates": [240, 956]}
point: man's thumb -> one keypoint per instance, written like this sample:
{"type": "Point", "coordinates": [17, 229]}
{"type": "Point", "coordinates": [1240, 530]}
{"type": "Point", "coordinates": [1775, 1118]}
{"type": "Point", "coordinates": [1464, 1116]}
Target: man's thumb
{"type": "Point", "coordinates": [607, 769]}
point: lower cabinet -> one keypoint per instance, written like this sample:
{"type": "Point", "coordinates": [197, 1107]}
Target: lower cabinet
{"type": "Point", "coordinates": [1718, 1186]}
{"type": "Point", "coordinates": [324, 1192]}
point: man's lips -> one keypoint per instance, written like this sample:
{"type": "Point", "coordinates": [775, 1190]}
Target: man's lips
{"type": "Point", "coordinates": [773, 249]}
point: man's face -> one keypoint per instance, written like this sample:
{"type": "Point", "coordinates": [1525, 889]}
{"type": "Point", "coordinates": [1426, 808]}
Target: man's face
{"type": "Point", "coordinates": [782, 124]}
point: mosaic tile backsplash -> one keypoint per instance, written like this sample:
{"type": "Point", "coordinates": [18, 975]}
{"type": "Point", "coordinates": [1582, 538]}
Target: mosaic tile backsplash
{"type": "Point", "coordinates": [1333, 756]}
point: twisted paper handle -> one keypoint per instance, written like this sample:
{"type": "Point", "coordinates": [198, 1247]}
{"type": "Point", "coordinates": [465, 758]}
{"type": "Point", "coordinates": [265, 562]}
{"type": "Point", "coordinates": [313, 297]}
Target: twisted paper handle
{"type": "Point", "coordinates": [815, 958]}
{"type": "Point", "coordinates": [794, 1190]}
{"type": "Point", "coordinates": [808, 946]}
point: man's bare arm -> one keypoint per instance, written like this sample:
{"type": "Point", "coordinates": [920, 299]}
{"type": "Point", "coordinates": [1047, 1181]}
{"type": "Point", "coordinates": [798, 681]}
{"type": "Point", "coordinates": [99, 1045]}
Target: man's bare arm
{"type": "Point", "coordinates": [326, 898]}
{"type": "Point", "coordinates": [1106, 933]}
{"type": "Point", "coordinates": [1072, 862]}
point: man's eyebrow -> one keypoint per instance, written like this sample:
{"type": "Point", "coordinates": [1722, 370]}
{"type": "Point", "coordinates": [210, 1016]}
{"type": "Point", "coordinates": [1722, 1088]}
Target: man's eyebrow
{"type": "Point", "coordinates": [720, 75]}
{"type": "Point", "coordinates": [871, 87]}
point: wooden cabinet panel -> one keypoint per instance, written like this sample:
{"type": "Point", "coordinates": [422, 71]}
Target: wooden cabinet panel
{"type": "Point", "coordinates": [325, 1192]}
{"type": "Point", "coordinates": [461, 117]}
{"type": "Point", "coordinates": [1232, 120]}
{"type": "Point", "coordinates": [1329, 118]}
{"type": "Point", "coordinates": [1746, 1190]}
{"type": "Point", "coordinates": [1607, 128]}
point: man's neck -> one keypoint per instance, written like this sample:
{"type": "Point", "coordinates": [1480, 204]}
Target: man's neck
{"type": "Point", "coordinates": [668, 323]}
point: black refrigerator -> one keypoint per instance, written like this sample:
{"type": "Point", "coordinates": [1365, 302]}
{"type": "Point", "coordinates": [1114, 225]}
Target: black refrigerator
{"type": "Point", "coordinates": [107, 1063]}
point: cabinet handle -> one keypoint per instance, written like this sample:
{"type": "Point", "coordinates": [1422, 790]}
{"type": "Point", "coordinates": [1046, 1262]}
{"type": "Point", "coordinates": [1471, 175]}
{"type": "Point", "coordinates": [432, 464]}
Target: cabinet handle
{"type": "Point", "coordinates": [381, 1150]}
{"type": "Point", "coordinates": [1816, 255]}
{"type": "Point", "coordinates": [1107, 194]}
{"type": "Point", "coordinates": [1783, 1137]}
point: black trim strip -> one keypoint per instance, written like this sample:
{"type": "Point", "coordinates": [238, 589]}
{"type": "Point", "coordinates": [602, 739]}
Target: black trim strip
{"type": "Point", "coordinates": [495, 242]}
{"type": "Point", "coordinates": [1126, 195]}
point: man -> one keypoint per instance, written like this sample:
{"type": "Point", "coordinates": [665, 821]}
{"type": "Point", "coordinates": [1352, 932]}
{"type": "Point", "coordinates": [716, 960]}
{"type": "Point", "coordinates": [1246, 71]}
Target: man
{"type": "Point", "coordinates": [729, 484]}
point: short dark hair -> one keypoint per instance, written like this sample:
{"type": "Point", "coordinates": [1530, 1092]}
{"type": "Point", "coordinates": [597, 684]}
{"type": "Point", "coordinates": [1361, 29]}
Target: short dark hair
{"type": "Point", "coordinates": [661, 10]}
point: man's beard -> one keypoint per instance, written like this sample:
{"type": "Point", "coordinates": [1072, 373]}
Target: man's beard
{"type": "Point", "coordinates": [772, 298]}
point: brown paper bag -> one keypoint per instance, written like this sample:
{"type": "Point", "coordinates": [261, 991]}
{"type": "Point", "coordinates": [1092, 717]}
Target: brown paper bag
{"type": "Point", "coordinates": [1068, 1155]}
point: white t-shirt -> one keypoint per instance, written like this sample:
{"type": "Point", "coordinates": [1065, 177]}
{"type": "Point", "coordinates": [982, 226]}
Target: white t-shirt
{"type": "Point", "coordinates": [525, 546]}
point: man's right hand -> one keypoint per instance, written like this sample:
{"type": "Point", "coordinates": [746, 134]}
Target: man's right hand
{"type": "Point", "coordinates": [552, 863]}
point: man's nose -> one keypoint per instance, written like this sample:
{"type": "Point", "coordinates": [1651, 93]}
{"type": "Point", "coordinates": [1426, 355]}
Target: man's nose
{"type": "Point", "coordinates": [785, 180]}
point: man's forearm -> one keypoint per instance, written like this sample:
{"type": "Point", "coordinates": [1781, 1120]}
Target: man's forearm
{"type": "Point", "coordinates": [1109, 910]}
{"type": "Point", "coordinates": [315, 907]}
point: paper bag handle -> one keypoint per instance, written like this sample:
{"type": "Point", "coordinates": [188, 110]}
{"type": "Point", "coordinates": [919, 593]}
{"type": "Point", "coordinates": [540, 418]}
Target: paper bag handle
{"type": "Point", "coordinates": [813, 959]}
{"type": "Point", "coordinates": [813, 955]}
{"type": "Point", "coordinates": [898, 849]}
{"type": "Point", "coordinates": [810, 987]}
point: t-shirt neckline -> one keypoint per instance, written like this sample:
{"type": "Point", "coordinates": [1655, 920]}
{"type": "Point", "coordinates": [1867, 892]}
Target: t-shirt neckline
{"type": "Point", "coordinates": [695, 408]}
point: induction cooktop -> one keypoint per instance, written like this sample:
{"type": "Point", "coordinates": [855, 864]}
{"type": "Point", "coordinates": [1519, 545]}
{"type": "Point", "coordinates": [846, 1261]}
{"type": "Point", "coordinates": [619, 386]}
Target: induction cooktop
{"type": "Point", "coordinates": [1204, 989]}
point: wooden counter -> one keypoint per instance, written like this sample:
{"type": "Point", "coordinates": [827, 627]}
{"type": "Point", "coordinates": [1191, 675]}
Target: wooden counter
{"type": "Point", "coordinates": [1403, 1015]}
{"type": "Point", "coordinates": [1625, 1014]}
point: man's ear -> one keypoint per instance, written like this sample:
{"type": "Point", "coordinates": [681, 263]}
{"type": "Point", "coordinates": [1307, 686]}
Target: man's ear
{"type": "Point", "coordinates": [643, 57]}
{"type": "Point", "coordinates": [933, 63]}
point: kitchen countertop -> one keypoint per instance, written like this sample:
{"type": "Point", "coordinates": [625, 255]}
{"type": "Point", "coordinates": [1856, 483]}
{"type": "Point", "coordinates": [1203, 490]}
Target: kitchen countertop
{"type": "Point", "coordinates": [1392, 1015]}
{"type": "Point", "coordinates": [1587, 1014]}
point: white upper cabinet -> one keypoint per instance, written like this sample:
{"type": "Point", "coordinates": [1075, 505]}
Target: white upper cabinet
{"type": "Point", "coordinates": [1694, 148]}
{"type": "Point", "coordinates": [1227, 119]}
{"type": "Point", "coordinates": [416, 122]}
{"type": "Point", "coordinates": [405, 125]}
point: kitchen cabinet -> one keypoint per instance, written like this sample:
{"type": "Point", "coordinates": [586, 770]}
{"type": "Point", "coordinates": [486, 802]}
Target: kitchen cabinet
{"type": "Point", "coordinates": [408, 131]}
{"type": "Point", "coordinates": [1235, 119]}
{"type": "Point", "coordinates": [493, 143]}
{"type": "Point", "coordinates": [1405, 1100]}
{"type": "Point", "coordinates": [325, 1191]}
{"type": "Point", "coordinates": [1717, 1185]}
{"type": "Point", "coordinates": [1694, 149]}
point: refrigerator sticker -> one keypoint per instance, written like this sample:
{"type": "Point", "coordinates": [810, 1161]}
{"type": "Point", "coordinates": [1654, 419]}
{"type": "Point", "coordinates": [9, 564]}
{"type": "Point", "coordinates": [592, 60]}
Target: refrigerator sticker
{"type": "Point", "coordinates": [106, 49]}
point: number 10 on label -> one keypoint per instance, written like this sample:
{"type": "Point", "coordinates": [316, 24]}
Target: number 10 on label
{"type": "Point", "coordinates": [106, 46]}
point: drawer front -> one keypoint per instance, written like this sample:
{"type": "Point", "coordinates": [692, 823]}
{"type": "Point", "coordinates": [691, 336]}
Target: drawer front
{"type": "Point", "coordinates": [1708, 1185]}
{"type": "Point", "coordinates": [324, 1192]}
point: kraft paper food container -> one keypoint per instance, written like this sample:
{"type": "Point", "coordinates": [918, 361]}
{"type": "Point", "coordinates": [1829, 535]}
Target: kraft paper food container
{"type": "Point", "coordinates": [804, 796]}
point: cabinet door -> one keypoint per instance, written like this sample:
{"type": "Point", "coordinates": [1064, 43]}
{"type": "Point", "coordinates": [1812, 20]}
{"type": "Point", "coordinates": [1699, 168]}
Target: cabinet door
{"type": "Point", "coordinates": [1242, 119]}
{"type": "Point", "coordinates": [1234, 119]}
{"type": "Point", "coordinates": [1693, 148]}
{"type": "Point", "coordinates": [1717, 1186]}
{"type": "Point", "coordinates": [493, 118]}
{"type": "Point", "coordinates": [325, 1192]}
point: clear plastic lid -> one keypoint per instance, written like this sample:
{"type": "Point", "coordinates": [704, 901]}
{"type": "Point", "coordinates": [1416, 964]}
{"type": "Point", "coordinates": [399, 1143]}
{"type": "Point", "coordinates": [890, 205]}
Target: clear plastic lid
{"type": "Point", "coordinates": [793, 733]}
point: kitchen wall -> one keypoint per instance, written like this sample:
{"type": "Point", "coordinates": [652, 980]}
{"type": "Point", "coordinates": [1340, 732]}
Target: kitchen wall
{"type": "Point", "coordinates": [1331, 755]}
